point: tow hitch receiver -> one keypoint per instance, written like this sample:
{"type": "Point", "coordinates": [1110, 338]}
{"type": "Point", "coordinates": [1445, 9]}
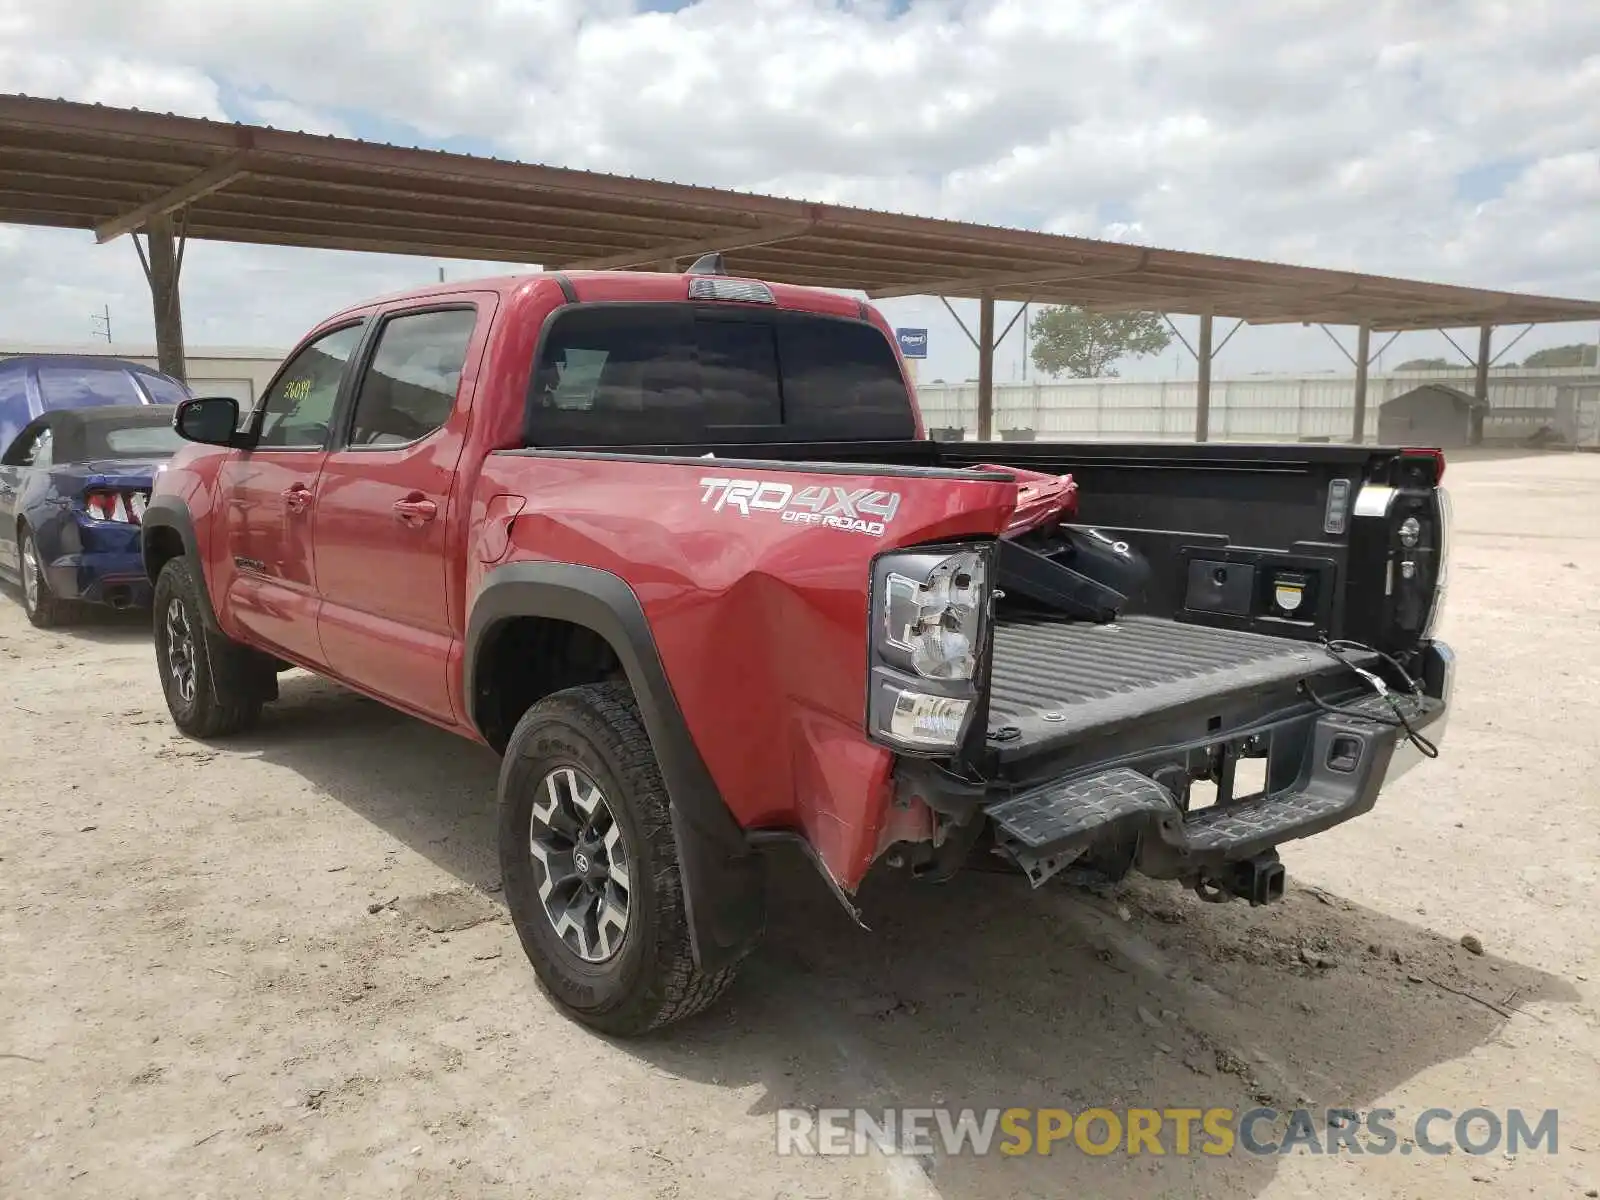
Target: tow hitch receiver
{"type": "Point", "coordinates": [1260, 880]}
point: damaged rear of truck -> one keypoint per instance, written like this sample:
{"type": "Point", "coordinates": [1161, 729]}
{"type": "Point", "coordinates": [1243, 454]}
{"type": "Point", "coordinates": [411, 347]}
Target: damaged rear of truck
{"type": "Point", "coordinates": [930, 656]}
{"type": "Point", "coordinates": [679, 547]}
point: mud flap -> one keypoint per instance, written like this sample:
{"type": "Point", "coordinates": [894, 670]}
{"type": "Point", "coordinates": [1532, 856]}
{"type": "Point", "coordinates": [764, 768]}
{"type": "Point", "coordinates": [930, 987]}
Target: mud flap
{"type": "Point", "coordinates": [724, 895]}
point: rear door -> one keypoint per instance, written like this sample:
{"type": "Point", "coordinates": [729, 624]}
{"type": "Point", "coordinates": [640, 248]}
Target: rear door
{"type": "Point", "coordinates": [384, 520]}
{"type": "Point", "coordinates": [269, 493]}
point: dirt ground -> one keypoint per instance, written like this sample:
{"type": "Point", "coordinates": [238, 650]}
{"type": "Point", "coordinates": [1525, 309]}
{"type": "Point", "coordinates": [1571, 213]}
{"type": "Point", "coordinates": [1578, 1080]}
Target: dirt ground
{"type": "Point", "coordinates": [197, 998]}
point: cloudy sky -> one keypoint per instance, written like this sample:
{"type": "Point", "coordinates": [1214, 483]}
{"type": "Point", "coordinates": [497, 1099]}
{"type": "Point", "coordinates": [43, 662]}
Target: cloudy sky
{"type": "Point", "coordinates": [1456, 140]}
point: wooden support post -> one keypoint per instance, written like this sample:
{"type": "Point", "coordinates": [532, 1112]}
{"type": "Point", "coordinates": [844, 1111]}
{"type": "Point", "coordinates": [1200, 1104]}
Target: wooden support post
{"type": "Point", "coordinates": [163, 269]}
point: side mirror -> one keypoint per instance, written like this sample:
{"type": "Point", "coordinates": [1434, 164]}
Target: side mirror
{"type": "Point", "coordinates": [209, 420]}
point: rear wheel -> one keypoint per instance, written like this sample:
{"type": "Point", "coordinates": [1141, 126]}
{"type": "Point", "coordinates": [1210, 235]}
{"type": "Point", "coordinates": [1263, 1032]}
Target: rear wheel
{"type": "Point", "coordinates": [210, 681]}
{"type": "Point", "coordinates": [45, 609]}
{"type": "Point", "coordinates": [591, 865]}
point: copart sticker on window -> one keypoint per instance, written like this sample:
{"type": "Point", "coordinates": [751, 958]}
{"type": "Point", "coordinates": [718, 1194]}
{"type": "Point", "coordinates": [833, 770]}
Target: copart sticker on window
{"type": "Point", "coordinates": [855, 510]}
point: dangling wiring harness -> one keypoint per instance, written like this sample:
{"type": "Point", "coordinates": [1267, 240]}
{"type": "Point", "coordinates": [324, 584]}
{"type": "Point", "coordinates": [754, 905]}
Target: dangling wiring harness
{"type": "Point", "coordinates": [1341, 649]}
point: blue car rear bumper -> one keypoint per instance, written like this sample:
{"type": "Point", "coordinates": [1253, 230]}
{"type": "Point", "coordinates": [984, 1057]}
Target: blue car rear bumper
{"type": "Point", "coordinates": [108, 569]}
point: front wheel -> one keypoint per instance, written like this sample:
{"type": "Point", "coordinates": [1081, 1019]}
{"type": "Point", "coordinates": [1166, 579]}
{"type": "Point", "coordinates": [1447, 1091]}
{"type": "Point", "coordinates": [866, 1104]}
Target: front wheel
{"type": "Point", "coordinates": [210, 687]}
{"type": "Point", "coordinates": [591, 865]}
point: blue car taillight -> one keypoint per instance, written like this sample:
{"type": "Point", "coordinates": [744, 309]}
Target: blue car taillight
{"type": "Point", "coordinates": [106, 504]}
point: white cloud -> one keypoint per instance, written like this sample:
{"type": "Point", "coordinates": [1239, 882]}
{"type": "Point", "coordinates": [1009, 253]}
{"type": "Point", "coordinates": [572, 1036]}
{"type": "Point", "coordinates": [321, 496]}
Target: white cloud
{"type": "Point", "coordinates": [286, 114]}
{"type": "Point", "coordinates": [1446, 140]}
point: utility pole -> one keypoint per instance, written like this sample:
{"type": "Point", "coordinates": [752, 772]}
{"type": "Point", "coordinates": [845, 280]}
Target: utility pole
{"type": "Point", "coordinates": [101, 322]}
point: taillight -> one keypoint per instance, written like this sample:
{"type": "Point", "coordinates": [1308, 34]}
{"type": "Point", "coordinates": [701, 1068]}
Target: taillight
{"type": "Point", "coordinates": [1419, 525]}
{"type": "Point", "coordinates": [1399, 544]}
{"type": "Point", "coordinates": [1442, 562]}
{"type": "Point", "coordinates": [105, 505]}
{"type": "Point", "coordinates": [1436, 457]}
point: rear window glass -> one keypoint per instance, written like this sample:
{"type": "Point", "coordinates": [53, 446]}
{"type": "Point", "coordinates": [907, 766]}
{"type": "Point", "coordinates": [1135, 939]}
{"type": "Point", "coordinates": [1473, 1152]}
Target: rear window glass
{"type": "Point", "coordinates": [139, 441]}
{"type": "Point", "coordinates": [86, 387]}
{"type": "Point", "coordinates": [658, 374]}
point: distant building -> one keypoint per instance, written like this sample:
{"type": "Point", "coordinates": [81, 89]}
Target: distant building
{"type": "Point", "coordinates": [1434, 414]}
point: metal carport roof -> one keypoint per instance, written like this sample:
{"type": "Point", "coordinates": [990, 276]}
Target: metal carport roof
{"type": "Point", "coordinates": [117, 171]}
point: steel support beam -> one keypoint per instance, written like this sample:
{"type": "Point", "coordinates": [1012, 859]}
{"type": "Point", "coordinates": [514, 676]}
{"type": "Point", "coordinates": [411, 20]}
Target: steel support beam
{"type": "Point", "coordinates": [1202, 391]}
{"type": "Point", "coordinates": [986, 368]}
{"type": "Point", "coordinates": [212, 179]}
{"type": "Point", "coordinates": [1363, 357]}
{"type": "Point", "coordinates": [739, 237]}
{"type": "Point", "coordinates": [1480, 386]}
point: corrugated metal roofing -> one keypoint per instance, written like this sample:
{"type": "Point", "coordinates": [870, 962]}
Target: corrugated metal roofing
{"type": "Point", "coordinates": [109, 169]}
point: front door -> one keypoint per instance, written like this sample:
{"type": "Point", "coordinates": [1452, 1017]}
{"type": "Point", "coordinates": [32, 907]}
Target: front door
{"type": "Point", "coordinates": [270, 495]}
{"type": "Point", "coordinates": [31, 449]}
{"type": "Point", "coordinates": [384, 511]}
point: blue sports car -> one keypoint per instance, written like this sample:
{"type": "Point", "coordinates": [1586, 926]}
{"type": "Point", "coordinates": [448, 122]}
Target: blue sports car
{"type": "Point", "coordinates": [73, 485]}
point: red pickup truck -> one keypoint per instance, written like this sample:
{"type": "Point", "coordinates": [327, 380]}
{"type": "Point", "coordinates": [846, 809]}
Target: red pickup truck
{"type": "Point", "coordinates": [679, 547]}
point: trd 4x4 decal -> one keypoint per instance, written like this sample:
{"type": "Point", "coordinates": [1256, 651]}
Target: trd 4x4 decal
{"type": "Point", "coordinates": [856, 510]}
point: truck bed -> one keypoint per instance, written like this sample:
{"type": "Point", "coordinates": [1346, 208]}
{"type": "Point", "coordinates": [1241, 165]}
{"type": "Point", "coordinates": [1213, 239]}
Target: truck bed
{"type": "Point", "coordinates": [1056, 681]}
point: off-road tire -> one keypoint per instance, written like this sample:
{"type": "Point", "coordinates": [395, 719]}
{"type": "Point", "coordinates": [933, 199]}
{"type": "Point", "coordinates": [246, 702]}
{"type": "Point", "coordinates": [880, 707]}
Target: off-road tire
{"type": "Point", "coordinates": [226, 692]}
{"type": "Point", "coordinates": [652, 980]}
{"type": "Point", "coordinates": [44, 608]}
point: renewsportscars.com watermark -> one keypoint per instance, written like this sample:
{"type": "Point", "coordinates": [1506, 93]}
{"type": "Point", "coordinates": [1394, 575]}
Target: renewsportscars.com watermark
{"type": "Point", "coordinates": [1162, 1131]}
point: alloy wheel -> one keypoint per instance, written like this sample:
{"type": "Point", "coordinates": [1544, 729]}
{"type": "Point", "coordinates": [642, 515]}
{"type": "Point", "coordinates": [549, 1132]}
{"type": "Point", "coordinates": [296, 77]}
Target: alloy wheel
{"type": "Point", "coordinates": [180, 651]}
{"type": "Point", "coordinates": [583, 864]}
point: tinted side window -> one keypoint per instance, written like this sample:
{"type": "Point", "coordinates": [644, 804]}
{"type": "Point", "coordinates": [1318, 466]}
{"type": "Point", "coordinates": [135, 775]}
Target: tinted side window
{"type": "Point", "coordinates": [298, 408]}
{"type": "Point", "coordinates": [86, 387]}
{"type": "Point", "coordinates": [841, 381]}
{"type": "Point", "coordinates": [410, 386]}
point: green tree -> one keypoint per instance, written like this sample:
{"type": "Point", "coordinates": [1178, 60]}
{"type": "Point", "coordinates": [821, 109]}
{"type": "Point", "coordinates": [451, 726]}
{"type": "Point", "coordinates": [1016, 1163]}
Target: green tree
{"type": "Point", "coordinates": [1426, 364]}
{"type": "Point", "coordinates": [1579, 354]}
{"type": "Point", "coordinates": [1088, 345]}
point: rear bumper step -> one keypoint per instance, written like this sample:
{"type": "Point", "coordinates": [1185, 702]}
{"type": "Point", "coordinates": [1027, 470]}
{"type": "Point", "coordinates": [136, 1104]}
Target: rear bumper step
{"type": "Point", "coordinates": [1337, 765]}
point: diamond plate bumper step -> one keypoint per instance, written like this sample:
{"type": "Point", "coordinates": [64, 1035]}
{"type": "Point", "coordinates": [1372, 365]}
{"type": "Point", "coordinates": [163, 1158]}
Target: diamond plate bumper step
{"type": "Point", "coordinates": [1345, 757]}
{"type": "Point", "coordinates": [1056, 812]}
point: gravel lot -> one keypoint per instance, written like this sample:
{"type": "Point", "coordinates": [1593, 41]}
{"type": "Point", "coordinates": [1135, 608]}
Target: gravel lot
{"type": "Point", "coordinates": [197, 998]}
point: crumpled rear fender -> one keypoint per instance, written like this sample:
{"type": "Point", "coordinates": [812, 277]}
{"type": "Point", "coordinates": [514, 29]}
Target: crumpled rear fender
{"type": "Point", "coordinates": [753, 579]}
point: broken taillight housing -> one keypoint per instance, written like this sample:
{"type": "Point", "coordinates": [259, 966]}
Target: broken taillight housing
{"type": "Point", "coordinates": [930, 614]}
{"type": "Point", "coordinates": [104, 504]}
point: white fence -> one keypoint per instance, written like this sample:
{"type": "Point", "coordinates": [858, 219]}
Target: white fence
{"type": "Point", "coordinates": [1266, 408]}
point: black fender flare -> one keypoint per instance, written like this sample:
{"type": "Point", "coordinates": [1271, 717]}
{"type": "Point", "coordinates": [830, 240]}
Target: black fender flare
{"type": "Point", "coordinates": [723, 884]}
{"type": "Point", "coordinates": [171, 513]}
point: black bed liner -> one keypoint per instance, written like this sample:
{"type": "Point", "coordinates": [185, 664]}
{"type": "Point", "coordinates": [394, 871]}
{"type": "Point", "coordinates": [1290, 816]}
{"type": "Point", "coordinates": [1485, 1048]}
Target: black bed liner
{"type": "Point", "coordinates": [1055, 681]}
